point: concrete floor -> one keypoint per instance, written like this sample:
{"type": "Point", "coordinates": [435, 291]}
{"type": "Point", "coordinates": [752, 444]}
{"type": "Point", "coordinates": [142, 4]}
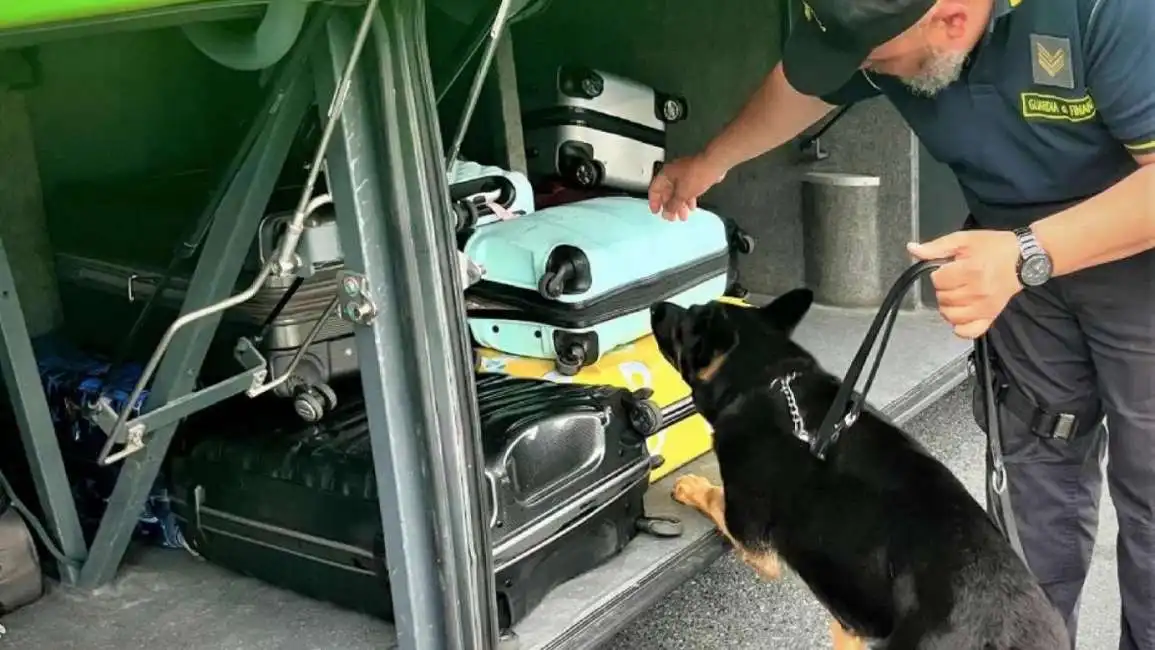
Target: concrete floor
{"type": "Point", "coordinates": [728, 608]}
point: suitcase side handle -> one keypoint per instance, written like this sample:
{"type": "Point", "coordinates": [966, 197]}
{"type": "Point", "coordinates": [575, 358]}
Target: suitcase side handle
{"type": "Point", "coordinates": [471, 198]}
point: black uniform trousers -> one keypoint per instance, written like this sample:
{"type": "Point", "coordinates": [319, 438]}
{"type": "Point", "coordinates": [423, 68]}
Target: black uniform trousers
{"type": "Point", "coordinates": [1085, 343]}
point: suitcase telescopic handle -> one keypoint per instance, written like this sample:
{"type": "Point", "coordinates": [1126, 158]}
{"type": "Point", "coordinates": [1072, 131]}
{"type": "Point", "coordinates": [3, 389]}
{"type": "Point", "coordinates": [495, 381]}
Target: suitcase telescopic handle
{"type": "Point", "coordinates": [467, 205]}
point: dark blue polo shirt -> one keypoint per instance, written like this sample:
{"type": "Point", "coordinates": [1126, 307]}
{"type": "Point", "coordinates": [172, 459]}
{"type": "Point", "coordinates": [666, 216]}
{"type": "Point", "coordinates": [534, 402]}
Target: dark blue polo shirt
{"type": "Point", "coordinates": [1053, 104]}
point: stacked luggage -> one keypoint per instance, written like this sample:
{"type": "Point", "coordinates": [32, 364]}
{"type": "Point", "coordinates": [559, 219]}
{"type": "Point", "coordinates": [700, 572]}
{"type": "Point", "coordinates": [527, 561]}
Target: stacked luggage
{"type": "Point", "coordinates": [579, 411]}
{"type": "Point", "coordinates": [295, 505]}
{"type": "Point", "coordinates": [285, 310]}
{"type": "Point", "coordinates": [572, 282]}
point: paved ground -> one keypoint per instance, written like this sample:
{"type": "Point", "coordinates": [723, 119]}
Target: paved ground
{"type": "Point", "coordinates": [727, 608]}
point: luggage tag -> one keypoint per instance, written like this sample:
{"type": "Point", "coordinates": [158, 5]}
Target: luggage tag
{"type": "Point", "coordinates": [503, 213]}
{"type": "Point", "coordinates": [470, 272]}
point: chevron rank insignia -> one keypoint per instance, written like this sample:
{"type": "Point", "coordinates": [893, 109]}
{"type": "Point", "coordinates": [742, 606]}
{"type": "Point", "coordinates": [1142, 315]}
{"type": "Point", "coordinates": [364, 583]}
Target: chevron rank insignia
{"type": "Point", "coordinates": [1051, 61]}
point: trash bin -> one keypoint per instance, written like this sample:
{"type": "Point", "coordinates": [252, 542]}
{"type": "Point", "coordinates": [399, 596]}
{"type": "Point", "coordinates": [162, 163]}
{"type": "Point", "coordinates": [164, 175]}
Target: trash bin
{"type": "Point", "coordinates": [840, 238]}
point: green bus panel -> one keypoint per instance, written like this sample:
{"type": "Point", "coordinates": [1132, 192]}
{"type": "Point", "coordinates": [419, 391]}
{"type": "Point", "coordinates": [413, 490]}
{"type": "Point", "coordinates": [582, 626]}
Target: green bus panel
{"type": "Point", "coordinates": [21, 13]}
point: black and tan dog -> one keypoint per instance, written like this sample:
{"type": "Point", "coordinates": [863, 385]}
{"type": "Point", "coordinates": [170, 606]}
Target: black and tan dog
{"type": "Point", "coordinates": [889, 541]}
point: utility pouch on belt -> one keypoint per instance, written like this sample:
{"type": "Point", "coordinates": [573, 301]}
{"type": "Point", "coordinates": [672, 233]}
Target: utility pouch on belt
{"type": "Point", "coordinates": [20, 580]}
{"type": "Point", "coordinates": [1059, 422]}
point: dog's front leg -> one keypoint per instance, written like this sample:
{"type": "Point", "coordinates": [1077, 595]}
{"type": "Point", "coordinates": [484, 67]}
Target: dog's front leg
{"type": "Point", "coordinates": [698, 493]}
{"type": "Point", "coordinates": [844, 640]}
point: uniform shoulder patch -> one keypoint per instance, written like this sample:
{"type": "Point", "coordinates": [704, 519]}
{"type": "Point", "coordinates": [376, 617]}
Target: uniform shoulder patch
{"type": "Point", "coordinates": [1051, 61]}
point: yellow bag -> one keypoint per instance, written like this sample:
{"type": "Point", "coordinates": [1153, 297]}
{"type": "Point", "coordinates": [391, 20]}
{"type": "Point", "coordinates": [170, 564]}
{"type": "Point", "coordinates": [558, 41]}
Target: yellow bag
{"type": "Point", "coordinates": [635, 365]}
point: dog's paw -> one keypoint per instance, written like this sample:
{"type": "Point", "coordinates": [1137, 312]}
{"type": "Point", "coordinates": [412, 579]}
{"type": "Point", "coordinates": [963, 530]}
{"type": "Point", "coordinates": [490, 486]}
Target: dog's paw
{"type": "Point", "coordinates": [691, 490]}
{"type": "Point", "coordinates": [764, 564]}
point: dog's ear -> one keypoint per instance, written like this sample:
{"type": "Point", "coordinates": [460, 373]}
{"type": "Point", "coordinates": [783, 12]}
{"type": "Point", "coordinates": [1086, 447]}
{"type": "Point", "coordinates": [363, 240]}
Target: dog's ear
{"type": "Point", "coordinates": [787, 310]}
{"type": "Point", "coordinates": [712, 338]}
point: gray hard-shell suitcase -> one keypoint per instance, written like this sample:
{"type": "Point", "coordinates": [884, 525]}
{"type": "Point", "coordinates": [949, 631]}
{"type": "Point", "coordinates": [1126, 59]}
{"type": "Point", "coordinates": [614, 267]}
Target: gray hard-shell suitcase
{"type": "Point", "coordinates": [593, 128]}
{"type": "Point", "coordinates": [116, 291]}
{"type": "Point", "coordinates": [280, 316]}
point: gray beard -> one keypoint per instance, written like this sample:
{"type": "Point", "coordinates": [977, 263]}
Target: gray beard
{"type": "Point", "coordinates": [941, 70]}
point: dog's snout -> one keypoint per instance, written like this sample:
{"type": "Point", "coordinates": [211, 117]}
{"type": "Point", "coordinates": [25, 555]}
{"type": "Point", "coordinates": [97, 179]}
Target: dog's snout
{"type": "Point", "coordinates": [660, 312]}
{"type": "Point", "coordinates": [663, 319]}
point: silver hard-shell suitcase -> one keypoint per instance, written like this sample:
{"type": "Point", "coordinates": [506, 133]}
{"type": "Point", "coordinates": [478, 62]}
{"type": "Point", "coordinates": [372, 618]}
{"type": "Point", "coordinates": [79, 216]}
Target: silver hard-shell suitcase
{"type": "Point", "coordinates": [280, 316]}
{"type": "Point", "coordinates": [593, 128]}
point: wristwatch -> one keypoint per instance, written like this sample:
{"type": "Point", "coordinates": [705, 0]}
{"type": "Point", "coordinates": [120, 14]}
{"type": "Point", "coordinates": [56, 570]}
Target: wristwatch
{"type": "Point", "coordinates": [1034, 267]}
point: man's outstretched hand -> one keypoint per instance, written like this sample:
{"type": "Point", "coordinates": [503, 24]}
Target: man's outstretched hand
{"type": "Point", "coordinates": [976, 286]}
{"type": "Point", "coordinates": [675, 189]}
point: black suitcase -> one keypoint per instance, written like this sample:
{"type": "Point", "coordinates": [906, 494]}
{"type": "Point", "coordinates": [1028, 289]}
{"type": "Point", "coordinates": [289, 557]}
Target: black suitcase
{"type": "Point", "coordinates": [295, 505]}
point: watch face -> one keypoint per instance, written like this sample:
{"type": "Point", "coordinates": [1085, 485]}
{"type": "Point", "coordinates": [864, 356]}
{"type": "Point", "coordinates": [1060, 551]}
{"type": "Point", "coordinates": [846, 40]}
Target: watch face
{"type": "Point", "coordinates": [1036, 270]}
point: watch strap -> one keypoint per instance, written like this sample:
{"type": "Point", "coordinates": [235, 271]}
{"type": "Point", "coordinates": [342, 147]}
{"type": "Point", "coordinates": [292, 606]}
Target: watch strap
{"type": "Point", "coordinates": [1028, 244]}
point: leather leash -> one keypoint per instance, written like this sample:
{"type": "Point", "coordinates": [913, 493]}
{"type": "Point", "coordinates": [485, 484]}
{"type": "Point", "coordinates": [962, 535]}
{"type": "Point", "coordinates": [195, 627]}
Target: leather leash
{"type": "Point", "coordinates": [847, 405]}
{"type": "Point", "coordinates": [998, 496]}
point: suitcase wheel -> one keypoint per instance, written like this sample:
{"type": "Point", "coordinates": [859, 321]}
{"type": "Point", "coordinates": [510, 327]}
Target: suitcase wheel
{"type": "Point", "coordinates": [592, 86]}
{"type": "Point", "coordinates": [578, 166]}
{"type": "Point", "coordinates": [467, 214]}
{"type": "Point", "coordinates": [645, 417]}
{"type": "Point", "coordinates": [551, 285]}
{"type": "Point", "coordinates": [672, 110]}
{"type": "Point", "coordinates": [745, 243]}
{"type": "Point", "coordinates": [567, 269]}
{"type": "Point", "coordinates": [584, 173]}
{"type": "Point", "coordinates": [580, 81]}
{"type": "Point", "coordinates": [570, 362]}
{"type": "Point", "coordinates": [738, 291]}
{"type": "Point", "coordinates": [664, 527]}
{"type": "Point", "coordinates": [311, 402]}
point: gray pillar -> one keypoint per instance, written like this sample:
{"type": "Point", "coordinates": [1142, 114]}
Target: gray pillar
{"type": "Point", "coordinates": [503, 92]}
{"type": "Point", "coordinates": [22, 220]}
{"type": "Point", "coordinates": [840, 238]}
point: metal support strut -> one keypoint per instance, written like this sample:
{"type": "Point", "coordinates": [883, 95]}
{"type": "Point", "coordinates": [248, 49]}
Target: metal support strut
{"type": "Point", "coordinates": [227, 243]}
{"type": "Point", "coordinates": [284, 263]}
{"type": "Point", "coordinates": [391, 198]}
{"type": "Point", "coordinates": [26, 393]}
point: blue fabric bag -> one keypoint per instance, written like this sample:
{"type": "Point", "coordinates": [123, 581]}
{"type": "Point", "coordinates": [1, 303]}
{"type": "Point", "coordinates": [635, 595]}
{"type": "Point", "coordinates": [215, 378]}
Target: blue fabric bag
{"type": "Point", "coordinates": [72, 382]}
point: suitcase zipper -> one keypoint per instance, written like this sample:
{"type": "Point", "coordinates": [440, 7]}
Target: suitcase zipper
{"type": "Point", "coordinates": [529, 305]}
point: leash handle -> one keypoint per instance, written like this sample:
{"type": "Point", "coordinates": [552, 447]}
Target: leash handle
{"type": "Point", "coordinates": [847, 407]}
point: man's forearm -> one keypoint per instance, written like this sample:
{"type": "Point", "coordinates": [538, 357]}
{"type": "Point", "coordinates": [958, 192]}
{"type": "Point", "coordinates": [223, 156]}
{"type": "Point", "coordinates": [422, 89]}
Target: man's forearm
{"type": "Point", "coordinates": [1118, 223]}
{"type": "Point", "coordinates": [772, 116]}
